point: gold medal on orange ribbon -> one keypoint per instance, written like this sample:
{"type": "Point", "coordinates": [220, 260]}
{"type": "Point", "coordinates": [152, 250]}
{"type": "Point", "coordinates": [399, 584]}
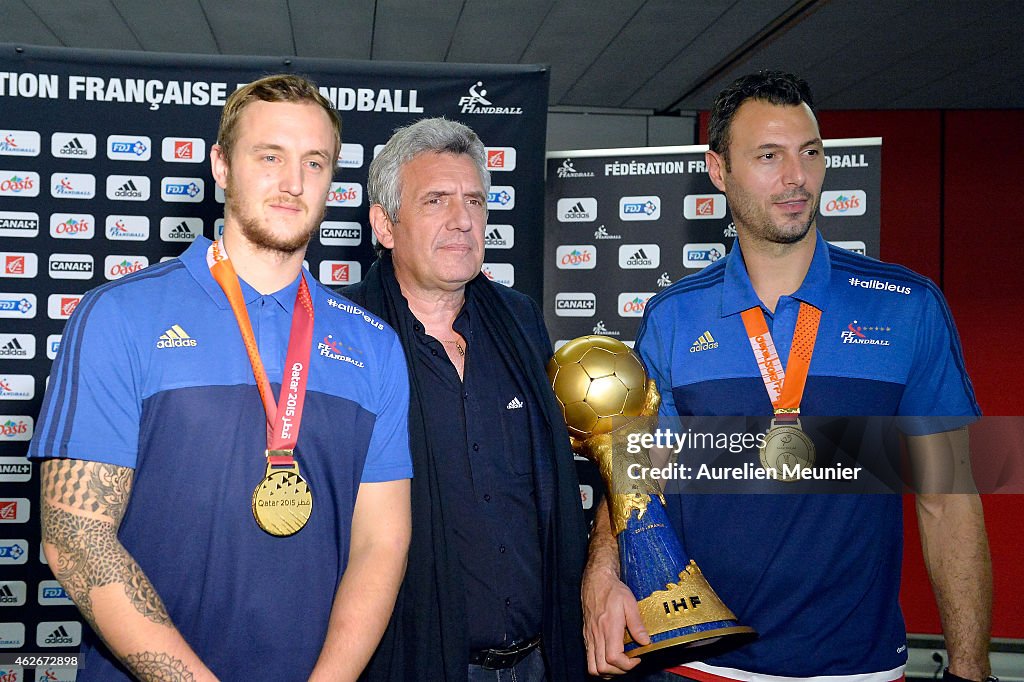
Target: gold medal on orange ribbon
{"type": "Point", "coordinates": [282, 502]}
{"type": "Point", "coordinates": [786, 450]}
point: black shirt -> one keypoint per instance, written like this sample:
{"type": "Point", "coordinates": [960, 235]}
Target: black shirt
{"type": "Point", "coordinates": [480, 428]}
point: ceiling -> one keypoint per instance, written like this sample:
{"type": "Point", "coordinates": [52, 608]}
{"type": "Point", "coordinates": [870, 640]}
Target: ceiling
{"type": "Point", "coordinates": [660, 56]}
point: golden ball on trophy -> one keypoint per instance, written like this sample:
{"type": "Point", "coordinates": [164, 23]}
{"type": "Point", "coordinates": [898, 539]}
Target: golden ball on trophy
{"type": "Point", "coordinates": [596, 379]}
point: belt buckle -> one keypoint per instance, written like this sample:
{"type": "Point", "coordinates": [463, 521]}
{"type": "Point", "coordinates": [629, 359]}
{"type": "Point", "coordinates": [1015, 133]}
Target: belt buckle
{"type": "Point", "coordinates": [502, 659]}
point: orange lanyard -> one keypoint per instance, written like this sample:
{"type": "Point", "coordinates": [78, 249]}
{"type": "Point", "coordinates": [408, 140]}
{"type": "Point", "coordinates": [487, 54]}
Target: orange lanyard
{"type": "Point", "coordinates": [785, 386]}
{"type": "Point", "coordinates": [283, 419]}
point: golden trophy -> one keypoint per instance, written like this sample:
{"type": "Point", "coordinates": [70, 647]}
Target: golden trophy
{"type": "Point", "coordinates": [603, 390]}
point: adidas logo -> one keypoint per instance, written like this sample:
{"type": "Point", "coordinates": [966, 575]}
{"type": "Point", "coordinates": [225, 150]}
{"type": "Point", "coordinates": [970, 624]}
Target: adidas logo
{"type": "Point", "coordinates": [13, 349]}
{"type": "Point", "coordinates": [128, 189]}
{"type": "Point", "coordinates": [576, 209]}
{"type": "Point", "coordinates": [181, 231]}
{"type": "Point", "coordinates": [514, 404]}
{"type": "Point", "coordinates": [74, 148]}
{"type": "Point", "coordinates": [59, 636]}
{"type": "Point", "coordinates": [176, 337]}
{"type": "Point", "coordinates": [7, 595]}
{"type": "Point", "coordinates": [705, 342]}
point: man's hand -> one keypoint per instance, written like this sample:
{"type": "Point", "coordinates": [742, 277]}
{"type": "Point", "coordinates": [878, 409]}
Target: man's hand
{"type": "Point", "coordinates": [609, 608]}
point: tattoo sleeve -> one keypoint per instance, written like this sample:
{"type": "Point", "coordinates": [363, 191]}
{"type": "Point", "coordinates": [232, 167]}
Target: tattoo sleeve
{"type": "Point", "coordinates": [153, 666]}
{"type": "Point", "coordinates": [82, 506]}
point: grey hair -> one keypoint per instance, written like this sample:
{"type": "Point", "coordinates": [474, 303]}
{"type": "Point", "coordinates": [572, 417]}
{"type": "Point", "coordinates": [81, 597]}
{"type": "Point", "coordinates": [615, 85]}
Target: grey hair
{"type": "Point", "coordinates": [428, 135]}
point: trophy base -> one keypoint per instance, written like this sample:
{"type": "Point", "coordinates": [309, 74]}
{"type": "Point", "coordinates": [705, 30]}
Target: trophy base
{"type": "Point", "coordinates": [738, 633]}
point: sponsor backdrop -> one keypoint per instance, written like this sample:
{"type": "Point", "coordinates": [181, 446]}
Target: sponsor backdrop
{"type": "Point", "coordinates": [104, 169]}
{"type": "Point", "coordinates": [623, 224]}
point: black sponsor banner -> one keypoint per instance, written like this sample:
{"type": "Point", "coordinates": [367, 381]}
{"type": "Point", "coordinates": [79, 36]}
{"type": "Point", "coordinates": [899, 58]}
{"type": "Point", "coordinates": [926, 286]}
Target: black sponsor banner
{"type": "Point", "coordinates": [623, 224]}
{"type": "Point", "coordinates": [104, 169]}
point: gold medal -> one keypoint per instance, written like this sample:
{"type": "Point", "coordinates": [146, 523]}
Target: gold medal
{"type": "Point", "coordinates": [787, 450]}
{"type": "Point", "coordinates": [282, 502]}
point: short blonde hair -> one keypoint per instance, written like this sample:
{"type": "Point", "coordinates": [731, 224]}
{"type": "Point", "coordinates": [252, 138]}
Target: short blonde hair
{"type": "Point", "coordinates": [281, 87]}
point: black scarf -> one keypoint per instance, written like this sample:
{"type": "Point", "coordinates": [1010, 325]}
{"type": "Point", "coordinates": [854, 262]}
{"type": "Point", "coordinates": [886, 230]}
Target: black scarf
{"type": "Point", "coordinates": [426, 637]}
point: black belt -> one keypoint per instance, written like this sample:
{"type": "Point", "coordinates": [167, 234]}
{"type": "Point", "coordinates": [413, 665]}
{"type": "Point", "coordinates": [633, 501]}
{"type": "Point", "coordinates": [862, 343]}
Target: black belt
{"type": "Point", "coordinates": [499, 659]}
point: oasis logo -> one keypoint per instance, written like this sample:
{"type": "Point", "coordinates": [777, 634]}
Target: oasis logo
{"type": "Point", "coordinates": [500, 273]}
{"type": "Point", "coordinates": [345, 194]}
{"type": "Point", "coordinates": [19, 224]}
{"type": "Point", "coordinates": [71, 266]}
{"type": "Point", "coordinates": [341, 233]}
{"type": "Point", "coordinates": [499, 237]}
{"type": "Point", "coordinates": [19, 184]}
{"type": "Point", "coordinates": [575, 304]}
{"type": "Point", "coordinates": [501, 158]}
{"type": "Point", "coordinates": [72, 226]}
{"type": "Point", "coordinates": [577, 210]}
{"type": "Point", "coordinates": [476, 102]}
{"type": "Point", "coordinates": [640, 208]}
{"type": "Point", "coordinates": [340, 271]}
{"type": "Point", "coordinates": [127, 228]}
{"type": "Point", "coordinates": [501, 198]}
{"type": "Point", "coordinates": [703, 206]}
{"type": "Point", "coordinates": [632, 304]}
{"type": "Point", "coordinates": [182, 189]}
{"type": "Point", "coordinates": [847, 202]}
{"type": "Point", "coordinates": [702, 255]}
{"type": "Point", "coordinates": [72, 186]}
{"type": "Point", "coordinates": [19, 143]}
{"type": "Point", "coordinates": [639, 256]}
{"type": "Point", "coordinates": [73, 145]}
{"type": "Point", "coordinates": [180, 229]}
{"type": "Point", "coordinates": [128, 187]}
{"type": "Point", "coordinates": [116, 267]}
{"type": "Point", "coordinates": [182, 149]}
{"type": "Point", "coordinates": [60, 306]}
{"type": "Point", "coordinates": [128, 147]}
{"type": "Point", "coordinates": [576, 257]}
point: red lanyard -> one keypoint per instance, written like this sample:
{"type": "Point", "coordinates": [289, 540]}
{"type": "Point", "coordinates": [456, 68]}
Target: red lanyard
{"type": "Point", "coordinates": [283, 419]}
{"type": "Point", "coordinates": [785, 386]}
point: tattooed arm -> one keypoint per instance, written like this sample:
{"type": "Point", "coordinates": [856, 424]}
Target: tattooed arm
{"type": "Point", "coordinates": [82, 506]}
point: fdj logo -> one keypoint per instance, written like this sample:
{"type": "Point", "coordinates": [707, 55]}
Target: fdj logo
{"type": "Point", "coordinates": [501, 197]}
{"type": "Point", "coordinates": [646, 208]}
{"type": "Point", "coordinates": [191, 189]}
{"type": "Point", "coordinates": [12, 551]}
{"type": "Point", "coordinates": [138, 148]}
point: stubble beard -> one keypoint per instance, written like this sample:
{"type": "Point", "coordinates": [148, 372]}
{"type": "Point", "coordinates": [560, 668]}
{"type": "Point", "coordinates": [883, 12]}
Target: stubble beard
{"type": "Point", "coordinates": [748, 213]}
{"type": "Point", "coordinates": [261, 237]}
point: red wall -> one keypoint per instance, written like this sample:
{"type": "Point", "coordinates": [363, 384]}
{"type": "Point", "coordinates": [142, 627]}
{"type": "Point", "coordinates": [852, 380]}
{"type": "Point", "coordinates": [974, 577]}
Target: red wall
{"type": "Point", "coordinates": [950, 183]}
